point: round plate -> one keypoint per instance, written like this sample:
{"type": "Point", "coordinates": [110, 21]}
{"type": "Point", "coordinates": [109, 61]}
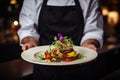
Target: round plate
{"type": "Point", "coordinates": [29, 56]}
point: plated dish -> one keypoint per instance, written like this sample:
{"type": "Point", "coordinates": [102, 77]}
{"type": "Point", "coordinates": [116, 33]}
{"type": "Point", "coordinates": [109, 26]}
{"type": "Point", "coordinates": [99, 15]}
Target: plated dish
{"type": "Point", "coordinates": [29, 56]}
{"type": "Point", "coordinates": [62, 51]}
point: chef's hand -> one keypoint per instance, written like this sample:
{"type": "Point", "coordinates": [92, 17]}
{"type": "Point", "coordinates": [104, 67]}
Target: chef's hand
{"type": "Point", "coordinates": [91, 43]}
{"type": "Point", "coordinates": [28, 42]}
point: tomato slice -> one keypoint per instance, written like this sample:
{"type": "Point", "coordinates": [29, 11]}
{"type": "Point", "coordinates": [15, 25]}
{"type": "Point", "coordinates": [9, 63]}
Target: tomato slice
{"type": "Point", "coordinates": [67, 60]}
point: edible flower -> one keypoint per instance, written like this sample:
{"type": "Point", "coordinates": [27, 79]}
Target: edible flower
{"type": "Point", "coordinates": [60, 37]}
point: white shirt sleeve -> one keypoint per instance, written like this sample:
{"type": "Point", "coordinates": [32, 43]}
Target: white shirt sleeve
{"type": "Point", "coordinates": [27, 20]}
{"type": "Point", "coordinates": [93, 22]}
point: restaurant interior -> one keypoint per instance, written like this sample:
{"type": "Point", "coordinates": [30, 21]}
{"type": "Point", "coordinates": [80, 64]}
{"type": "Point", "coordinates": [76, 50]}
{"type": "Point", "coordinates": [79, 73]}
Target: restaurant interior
{"type": "Point", "coordinates": [13, 67]}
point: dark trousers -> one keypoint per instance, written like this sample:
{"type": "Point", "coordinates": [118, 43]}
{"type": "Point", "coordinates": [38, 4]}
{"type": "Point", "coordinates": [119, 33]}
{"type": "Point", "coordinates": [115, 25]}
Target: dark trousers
{"type": "Point", "coordinates": [71, 72]}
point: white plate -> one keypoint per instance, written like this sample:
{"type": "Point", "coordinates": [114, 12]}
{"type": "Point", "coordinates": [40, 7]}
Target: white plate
{"type": "Point", "coordinates": [29, 56]}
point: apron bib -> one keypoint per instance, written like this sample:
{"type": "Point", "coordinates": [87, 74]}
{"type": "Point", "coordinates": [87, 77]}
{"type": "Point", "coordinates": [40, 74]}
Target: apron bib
{"type": "Point", "coordinates": [67, 20]}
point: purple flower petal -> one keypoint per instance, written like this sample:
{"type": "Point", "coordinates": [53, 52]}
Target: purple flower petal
{"type": "Point", "coordinates": [60, 37]}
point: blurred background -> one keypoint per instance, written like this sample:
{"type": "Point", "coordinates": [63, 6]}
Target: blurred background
{"type": "Point", "coordinates": [12, 67]}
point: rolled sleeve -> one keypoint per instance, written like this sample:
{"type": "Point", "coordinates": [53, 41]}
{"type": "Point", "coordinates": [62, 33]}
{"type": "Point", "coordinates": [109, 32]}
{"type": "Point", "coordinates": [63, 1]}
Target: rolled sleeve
{"type": "Point", "coordinates": [25, 33]}
{"type": "Point", "coordinates": [93, 35]}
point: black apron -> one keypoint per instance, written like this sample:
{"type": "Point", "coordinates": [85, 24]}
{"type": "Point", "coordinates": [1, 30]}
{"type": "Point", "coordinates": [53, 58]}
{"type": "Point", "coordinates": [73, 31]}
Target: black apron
{"type": "Point", "coordinates": [69, 21]}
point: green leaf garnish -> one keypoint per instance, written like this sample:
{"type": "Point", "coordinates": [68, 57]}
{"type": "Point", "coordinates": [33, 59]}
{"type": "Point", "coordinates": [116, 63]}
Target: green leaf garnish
{"type": "Point", "coordinates": [55, 38]}
{"type": "Point", "coordinates": [41, 56]}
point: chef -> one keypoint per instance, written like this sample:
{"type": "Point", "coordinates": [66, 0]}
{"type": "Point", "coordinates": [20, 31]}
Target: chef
{"type": "Point", "coordinates": [41, 20]}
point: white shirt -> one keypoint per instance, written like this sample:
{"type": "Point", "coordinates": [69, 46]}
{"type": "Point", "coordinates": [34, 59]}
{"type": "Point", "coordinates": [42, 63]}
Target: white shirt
{"type": "Point", "coordinates": [30, 13]}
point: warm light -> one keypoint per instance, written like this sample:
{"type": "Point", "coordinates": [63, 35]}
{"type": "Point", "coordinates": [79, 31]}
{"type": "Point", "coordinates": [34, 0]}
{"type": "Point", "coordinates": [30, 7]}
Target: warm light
{"type": "Point", "coordinates": [15, 37]}
{"type": "Point", "coordinates": [13, 2]}
{"type": "Point", "coordinates": [105, 11]}
{"type": "Point", "coordinates": [113, 17]}
{"type": "Point", "coordinates": [15, 23]}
